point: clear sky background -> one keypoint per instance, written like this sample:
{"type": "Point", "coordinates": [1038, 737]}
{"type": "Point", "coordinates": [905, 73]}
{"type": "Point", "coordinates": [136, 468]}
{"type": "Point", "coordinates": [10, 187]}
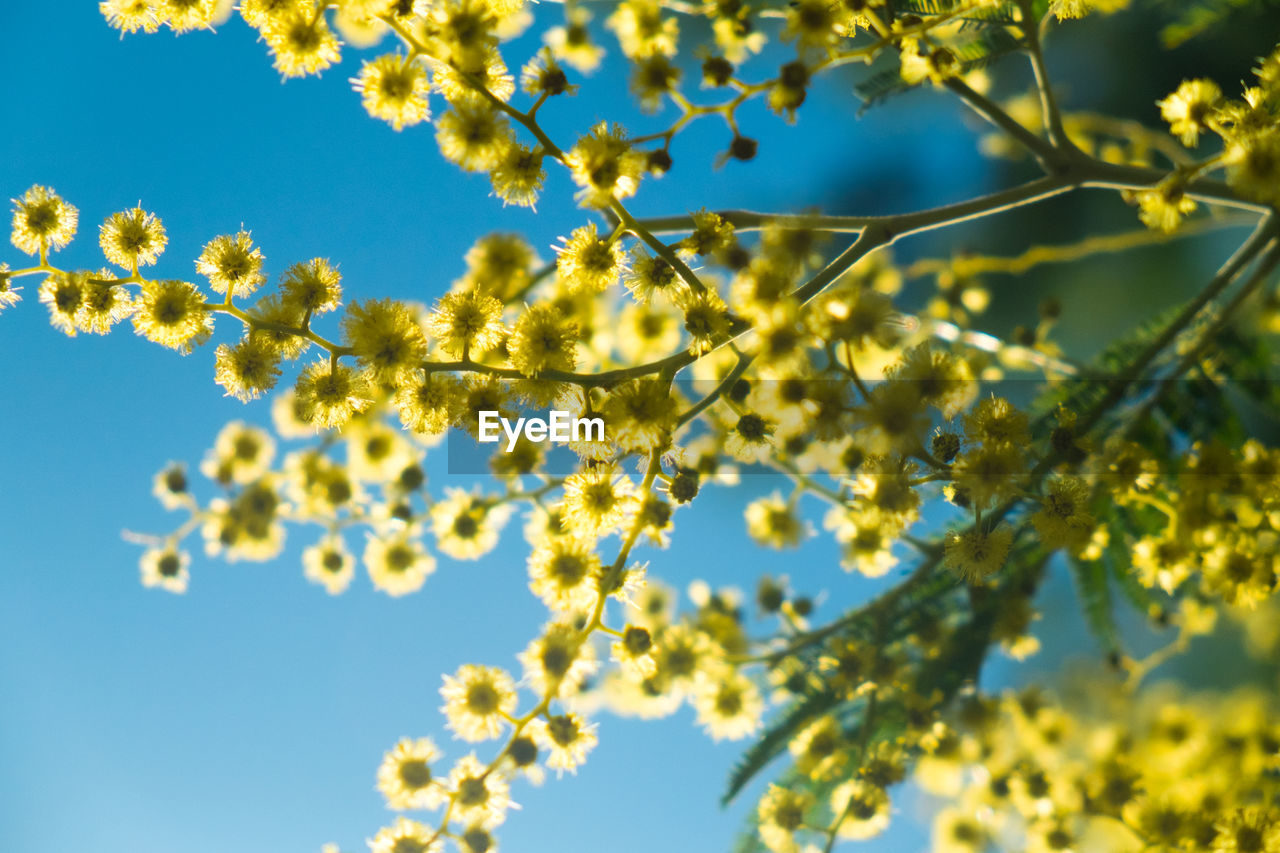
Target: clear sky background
{"type": "Point", "coordinates": [251, 713]}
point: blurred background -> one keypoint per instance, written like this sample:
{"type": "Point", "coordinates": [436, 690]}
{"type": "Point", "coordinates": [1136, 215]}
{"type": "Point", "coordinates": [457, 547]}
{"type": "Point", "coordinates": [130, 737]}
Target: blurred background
{"type": "Point", "coordinates": [251, 713]}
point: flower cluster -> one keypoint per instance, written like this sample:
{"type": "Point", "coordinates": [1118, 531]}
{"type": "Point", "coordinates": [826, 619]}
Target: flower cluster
{"type": "Point", "coordinates": [1172, 770]}
{"type": "Point", "coordinates": [710, 341]}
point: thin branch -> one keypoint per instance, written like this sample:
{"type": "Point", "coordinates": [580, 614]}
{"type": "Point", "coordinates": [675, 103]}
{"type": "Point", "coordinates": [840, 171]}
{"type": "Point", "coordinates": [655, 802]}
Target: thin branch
{"type": "Point", "coordinates": [1048, 103]}
{"type": "Point", "coordinates": [1044, 151]}
{"type": "Point", "coordinates": [744, 361]}
{"type": "Point", "coordinates": [1258, 240]}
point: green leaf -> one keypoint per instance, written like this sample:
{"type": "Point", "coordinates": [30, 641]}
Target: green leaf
{"type": "Point", "coordinates": [1095, 594]}
{"type": "Point", "coordinates": [1005, 13]}
{"type": "Point", "coordinates": [775, 739]}
{"type": "Point", "coordinates": [1197, 18]}
{"type": "Point", "coordinates": [1121, 567]}
{"type": "Point", "coordinates": [1082, 393]}
{"type": "Point", "coordinates": [992, 42]}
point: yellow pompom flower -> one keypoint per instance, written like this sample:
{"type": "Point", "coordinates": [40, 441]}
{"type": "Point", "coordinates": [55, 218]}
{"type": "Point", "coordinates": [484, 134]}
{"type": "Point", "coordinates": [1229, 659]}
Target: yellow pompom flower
{"type": "Point", "coordinates": [978, 554]}
{"type": "Point", "coordinates": [286, 416]}
{"type": "Point", "coordinates": [542, 74]}
{"type": "Point", "coordinates": [466, 322]}
{"type": "Point", "coordinates": [558, 663]}
{"type": "Point", "coordinates": [564, 572]}
{"type": "Point", "coordinates": [171, 488]}
{"type": "Point", "coordinates": [640, 415]}
{"type": "Point", "coordinates": [567, 738]}
{"type": "Point", "coordinates": [864, 807]}
{"type": "Point", "coordinates": [376, 452]}
{"type": "Point", "coordinates": [172, 313]}
{"type": "Point", "coordinates": [241, 454]}
{"type": "Point", "coordinates": [711, 235]}
{"type": "Point", "coordinates": [1164, 208]}
{"type": "Point", "coordinates": [185, 15]}
{"type": "Point", "coordinates": [1254, 168]}
{"type": "Point", "coordinates": [647, 332]}
{"type": "Point", "coordinates": [597, 500]}
{"type": "Point", "coordinates": [775, 523]}
{"type": "Point", "coordinates": [247, 368]}
{"type": "Point", "coordinates": [605, 166]}
{"type": "Point", "coordinates": [465, 31]}
{"type": "Point", "coordinates": [132, 238]}
{"type": "Point", "coordinates": [706, 319]}
{"type": "Point", "coordinates": [105, 303]}
{"type": "Point", "coordinates": [277, 321]}
{"type": "Point", "coordinates": [682, 653]}
{"type": "Point", "coordinates": [320, 487]}
{"type": "Point", "coordinates": [394, 89]}
{"type": "Point", "coordinates": [500, 265]}
{"type": "Point", "coordinates": [329, 564]}
{"type": "Point", "coordinates": [1162, 561]}
{"type": "Point", "coordinates": [64, 293]}
{"type": "Point", "coordinates": [729, 707]}
{"type": "Point", "coordinates": [654, 606]}
{"type": "Point", "coordinates": [247, 527]}
{"type": "Point", "coordinates": [466, 526]}
{"type": "Point", "coordinates": [397, 564]}
{"type": "Point", "coordinates": [642, 30]}
{"type": "Point", "coordinates": [428, 404]}
{"type": "Point", "coordinates": [406, 836]}
{"type": "Point", "coordinates": [479, 797]}
{"type": "Point", "coordinates": [589, 262]}
{"type": "Point", "coordinates": [478, 701]}
{"type": "Point", "coordinates": [790, 90]}
{"type": "Point", "coordinates": [820, 749]}
{"type": "Point", "coordinates": [867, 537]}
{"type": "Point", "coordinates": [1246, 830]}
{"type": "Point", "coordinates": [572, 43]}
{"type": "Point", "coordinates": [959, 831]}
{"type": "Point", "coordinates": [988, 473]}
{"type": "Point", "coordinates": [232, 264]}
{"type": "Point", "coordinates": [328, 395]}
{"type": "Point", "coordinates": [386, 337]}
{"type": "Point", "coordinates": [129, 16]}
{"type": "Point", "coordinates": [301, 43]}
{"type": "Point", "coordinates": [995, 420]}
{"type": "Point", "coordinates": [517, 178]}
{"type": "Point", "coordinates": [1189, 109]}
{"type": "Point", "coordinates": [314, 286]}
{"type": "Point", "coordinates": [781, 813]}
{"type": "Point", "coordinates": [474, 137]}
{"type": "Point", "coordinates": [485, 71]}
{"type": "Point", "coordinates": [1064, 519]}
{"type": "Point", "coordinates": [634, 650]}
{"type": "Point", "coordinates": [476, 838]}
{"type": "Point", "coordinates": [8, 291]}
{"type": "Point", "coordinates": [650, 275]}
{"type": "Point", "coordinates": [543, 339]}
{"type": "Point", "coordinates": [405, 776]}
{"type": "Point", "coordinates": [261, 13]}
{"type": "Point", "coordinates": [42, 221]}
{"type": "Point", "coordinates": [165, 568]}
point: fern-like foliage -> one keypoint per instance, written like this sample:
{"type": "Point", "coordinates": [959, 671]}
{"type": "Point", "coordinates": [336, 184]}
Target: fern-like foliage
{"type": "Point", "coordinates": [1081, 393]}
{"type": "Point", "coordinates": [1193, 19]}
{"type": "Point", "coordinates": [1093, 585]}
{"type": "Point", "coordinates": [985, 44]}
{"type": "Point", "coordinates": [1005, 13]}
{"type": "Point", "coordinates": [933, 599]}
{"type": "Point", "coordinates": [985, 34]}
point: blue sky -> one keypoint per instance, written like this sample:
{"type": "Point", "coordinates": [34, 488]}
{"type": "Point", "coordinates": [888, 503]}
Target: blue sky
{"type": "Point", "coordinates": [251, 713]}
